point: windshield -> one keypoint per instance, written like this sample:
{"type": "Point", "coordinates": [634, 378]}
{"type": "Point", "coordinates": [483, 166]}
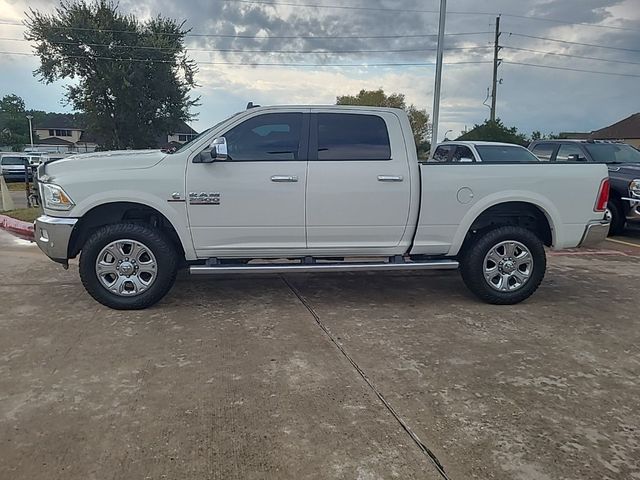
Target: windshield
{"type": "Point", "coordinates": [505, 154]}
{"type": "Point", "coordinates": [13, 160]}
{"type": "Point", "coordinates": [613, 153]}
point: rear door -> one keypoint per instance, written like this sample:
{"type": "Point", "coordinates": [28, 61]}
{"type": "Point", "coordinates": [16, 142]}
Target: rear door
{"type": "Point", "coordinates": [358, 192]}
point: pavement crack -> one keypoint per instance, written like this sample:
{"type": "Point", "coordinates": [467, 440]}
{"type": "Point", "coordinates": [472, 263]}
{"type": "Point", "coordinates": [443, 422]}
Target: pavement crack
{"type": "Point", "coordinates": [419, 443]}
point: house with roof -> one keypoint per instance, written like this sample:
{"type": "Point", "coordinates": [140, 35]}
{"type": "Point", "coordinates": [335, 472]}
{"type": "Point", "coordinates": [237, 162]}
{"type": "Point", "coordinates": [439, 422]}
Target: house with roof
{"type": "Point", "coordinates": [626, 130]}
{"type": "Point", "coordinates": [183, 134]}
{"type": "Point", "coordinates": [62, 133]}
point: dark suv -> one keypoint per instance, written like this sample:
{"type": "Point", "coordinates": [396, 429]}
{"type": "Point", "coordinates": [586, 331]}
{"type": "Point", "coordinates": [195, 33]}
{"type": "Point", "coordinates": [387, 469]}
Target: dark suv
{"type": "Point", "coordinates": [624, 172]}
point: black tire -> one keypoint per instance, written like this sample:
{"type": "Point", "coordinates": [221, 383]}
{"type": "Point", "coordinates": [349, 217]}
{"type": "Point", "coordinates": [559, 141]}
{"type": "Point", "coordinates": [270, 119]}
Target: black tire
{"type": "Point", "coordinates": [472, 263]}
{"type": "Point", "coordinates": [618, 220]}
{"type": "Point", "coordinates": [165, 256]}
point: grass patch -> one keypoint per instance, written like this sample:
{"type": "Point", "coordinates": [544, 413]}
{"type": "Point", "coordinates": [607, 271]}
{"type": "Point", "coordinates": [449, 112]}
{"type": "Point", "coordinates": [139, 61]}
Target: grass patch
{"type": "Point", "coordinates": [16, 186]}
{"type": "Point", "coordinates": [24, 214]}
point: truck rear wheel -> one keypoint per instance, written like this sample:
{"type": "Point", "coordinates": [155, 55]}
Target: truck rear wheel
{"type": "Point", "coordinates": [504, 266]}
{"type": "Point", "coordinates": [128, 266]}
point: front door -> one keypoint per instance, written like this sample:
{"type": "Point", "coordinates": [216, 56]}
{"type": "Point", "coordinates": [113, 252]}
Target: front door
{"type": "Point", "coordinates": [358, 193]}
{"type": "Point", "coordinates": [252, 203]}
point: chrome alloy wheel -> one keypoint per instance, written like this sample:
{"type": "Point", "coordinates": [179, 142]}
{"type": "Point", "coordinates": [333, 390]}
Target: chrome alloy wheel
{"type": "Point", "coordinates": [126, 267]}
{"type": "Point", "coordinates": [508, 266]}
{"type": "Point", "coordinates": [608, 216]}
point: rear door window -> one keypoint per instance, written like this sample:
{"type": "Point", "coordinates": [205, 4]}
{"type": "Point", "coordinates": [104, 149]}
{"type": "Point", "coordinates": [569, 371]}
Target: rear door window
{"type": "Point", "coordinates": [345, 137]}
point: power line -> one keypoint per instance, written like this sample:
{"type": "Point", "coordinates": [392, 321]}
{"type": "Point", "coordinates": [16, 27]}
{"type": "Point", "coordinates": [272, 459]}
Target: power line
{"type": "Point", "coordinates": [573, 43]}
{"type": "Point", "coordinates": [258, 64]}
{"type": "Point", "coordinates": [401, 10]}
{"type": "Point", "coordinates": [256, 37]}
{"type": "Point", "coordinates": [416, 64]}
{"type": "Point", "coordinates": [225, 50]}
{"type": "Point", "coordinates": [572, 69]}
{"type": "Point", "coordinates": [338, 7]}
{"type": "Point", "coordinates": [571, 56]}
{"type": "Point", "coordinates": [564, 22]}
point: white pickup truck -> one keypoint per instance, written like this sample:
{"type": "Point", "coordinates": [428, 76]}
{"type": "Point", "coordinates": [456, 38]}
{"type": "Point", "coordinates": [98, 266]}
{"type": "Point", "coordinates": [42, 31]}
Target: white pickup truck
{"type": "Point", "coordinates": [311, 189]}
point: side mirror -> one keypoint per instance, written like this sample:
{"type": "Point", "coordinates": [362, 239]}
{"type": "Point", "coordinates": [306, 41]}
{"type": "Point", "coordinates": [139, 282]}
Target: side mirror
{"type": "Point", "coordinates": [217, 151]}
{"type": "Point", "coordinates": [574, 157]}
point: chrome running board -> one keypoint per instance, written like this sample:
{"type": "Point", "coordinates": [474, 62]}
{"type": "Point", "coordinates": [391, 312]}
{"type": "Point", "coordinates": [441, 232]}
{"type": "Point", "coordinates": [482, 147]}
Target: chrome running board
{"type": "Point", "coordinates": [267, 268]}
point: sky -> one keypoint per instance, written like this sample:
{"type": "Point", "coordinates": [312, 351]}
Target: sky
{"type": "Point", "coordinates": [530, 97]}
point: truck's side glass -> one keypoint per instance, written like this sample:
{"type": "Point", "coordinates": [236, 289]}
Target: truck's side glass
{"type": "Point", "coordinates": [352, 137]}
{"type": "Point", "coordinates": [443, 153]}
{"type": "Point", "coordinates": [544, 151]}
{"type": "Point", "coordinates": [462, 151]}
{"type": "Point", "coordinates": [268, 137]}
{"type": "Point", "coordinates": [570, 153]}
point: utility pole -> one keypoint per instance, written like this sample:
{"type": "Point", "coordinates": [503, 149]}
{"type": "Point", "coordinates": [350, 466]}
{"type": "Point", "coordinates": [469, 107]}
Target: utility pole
{"type": "Point", "coordinates": [496, 63]}
{"type": "Point", "coordinates": [30, 117]}
{"type": "Point", "coordinates": [436, 88]}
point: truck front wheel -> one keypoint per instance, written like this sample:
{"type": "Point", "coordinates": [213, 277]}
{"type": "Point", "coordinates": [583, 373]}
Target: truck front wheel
{"type": "Point", "coordinates": [615, 215]}
{"type": "Point", "coordinates": [504, 266]}
{"type": "Point", "coordinates": [128, 266]}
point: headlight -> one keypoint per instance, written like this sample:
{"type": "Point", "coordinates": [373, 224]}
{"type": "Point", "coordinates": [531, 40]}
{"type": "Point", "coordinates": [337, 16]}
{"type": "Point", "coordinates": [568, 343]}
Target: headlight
{"type": "Point", "coordinates": [55, 198]}
{"type": "Point", "coordinates": [634, 187]}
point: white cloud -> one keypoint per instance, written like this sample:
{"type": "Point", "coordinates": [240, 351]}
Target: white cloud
{"type": "Point", "coordinates": [530, 98]}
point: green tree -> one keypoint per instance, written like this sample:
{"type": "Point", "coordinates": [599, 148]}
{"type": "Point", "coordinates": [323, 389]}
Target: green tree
{"type": "Point", "coordinates": [14, 126]}
{"type": "Point", "coordinates": [494, 132]}
{"type": "Point", "coordinates": [132, 78]}
{"type": "Point", "coordinates": [12, 103]}
{"type": "Point", "coordinates": [419, 119]}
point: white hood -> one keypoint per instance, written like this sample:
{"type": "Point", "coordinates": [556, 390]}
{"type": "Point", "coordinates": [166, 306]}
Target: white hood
{"type": "Point", "coordinates": [116, 160]}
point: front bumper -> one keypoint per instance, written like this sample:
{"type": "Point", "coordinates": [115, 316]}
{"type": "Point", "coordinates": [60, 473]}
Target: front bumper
{"type": "Point", "coordinates": [52, 235]}
{"type": "Point", "coordinates": [15, 175]}
{"type": "Point", "coordinates": [594, 234]}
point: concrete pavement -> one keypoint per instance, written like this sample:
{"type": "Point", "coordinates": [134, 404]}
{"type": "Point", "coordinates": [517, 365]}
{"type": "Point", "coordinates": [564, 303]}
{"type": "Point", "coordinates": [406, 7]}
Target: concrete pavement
{"type": "Point", "coordinates": [238, 378]}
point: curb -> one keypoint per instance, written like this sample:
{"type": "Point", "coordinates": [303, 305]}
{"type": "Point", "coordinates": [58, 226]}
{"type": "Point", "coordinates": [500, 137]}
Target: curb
{"type": "Point", "coordinates": [17, 227]}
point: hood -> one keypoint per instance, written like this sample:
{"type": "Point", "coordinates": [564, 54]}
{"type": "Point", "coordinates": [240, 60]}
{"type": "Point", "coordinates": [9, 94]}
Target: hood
{"type": "Point", "coordinates": [631, 169]}
{"type": "Point", "coordinates": [115, 160]}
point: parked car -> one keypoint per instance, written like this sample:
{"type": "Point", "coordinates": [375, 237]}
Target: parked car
{"type": "Point", "coordinates": [623, 162]}
{"type": "Point", "coordinates": [12, 167]}
{"type": "Point", "coordinates": [320, 187]}
{"type": "Point", "coordinates": [485, 152]}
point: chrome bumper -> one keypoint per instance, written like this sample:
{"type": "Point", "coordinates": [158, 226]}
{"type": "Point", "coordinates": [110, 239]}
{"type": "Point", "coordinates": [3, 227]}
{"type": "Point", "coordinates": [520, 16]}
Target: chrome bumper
{"type": "Point", "coordinates": [52, 236]}
{"type": "Point", "coordinates": [594, 234]}
{"type": "Point", "coordinates": [634, 209]}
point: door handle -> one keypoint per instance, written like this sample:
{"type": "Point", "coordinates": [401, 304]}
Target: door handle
{"type": "Point", "coordinates": [284, 178]}
{"type": "Point", "coordinates": [390, 178]}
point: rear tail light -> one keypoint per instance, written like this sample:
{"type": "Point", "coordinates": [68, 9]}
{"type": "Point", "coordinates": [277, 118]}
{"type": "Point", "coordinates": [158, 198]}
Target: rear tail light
{"type": "Point", "coordinates": [603, 196]}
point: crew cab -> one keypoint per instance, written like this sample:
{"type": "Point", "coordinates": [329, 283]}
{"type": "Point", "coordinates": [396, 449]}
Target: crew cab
{"type": "Point", "coordinates": [623, 162]}
{"type": "Point", "coordinates": [311, 189]}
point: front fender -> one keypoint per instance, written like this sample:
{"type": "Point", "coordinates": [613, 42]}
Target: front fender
{"type": "Point", "coordinates": [176, 214]}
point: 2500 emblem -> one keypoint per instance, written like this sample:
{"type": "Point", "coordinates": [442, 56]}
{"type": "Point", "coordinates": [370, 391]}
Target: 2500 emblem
{"type": "Point", "coordinates": [204, 198]}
